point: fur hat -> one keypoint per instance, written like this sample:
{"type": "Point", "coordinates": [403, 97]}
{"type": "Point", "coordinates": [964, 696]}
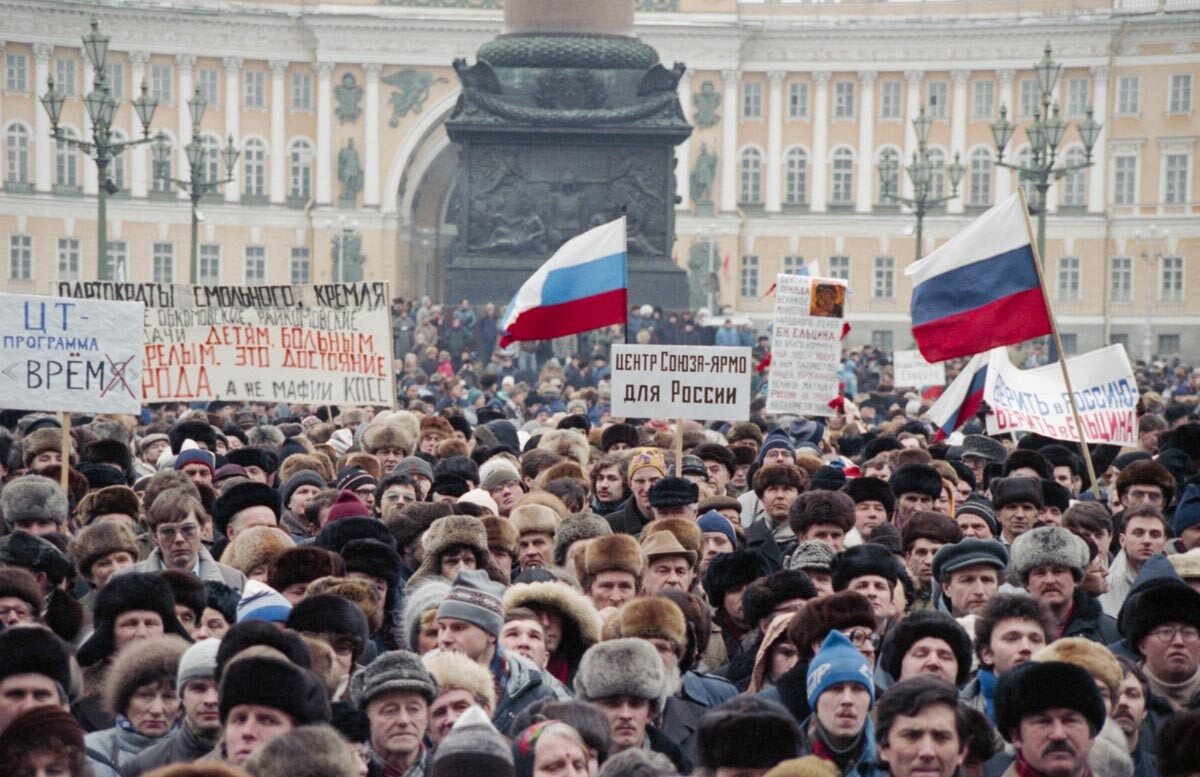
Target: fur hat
{"type": "Point", "coordinates": [1187, 565]}
{"type": "Point", "coordinates": [1048, 546]}
{"type": "Point", "coordinates": [1098, 660]}
{"type": "Point", "coordinates": [121, 594]}
{"type": "Point", "coordinates": [916, 478]}
{"type": "Point", "coordinates": [354, 590]}
{"type": "Point", "coordinates": [43, 729]}
{"type": "Point", "coordinates": [929, 525]}
{"type": "Point", "coordinates": [240, 497]}
{"type": "Point", "coordinates": [1027, 459]}
{"type": "Point", "coordinates": [1014, 490]}
{"type": "Point", "coordinates": [312, 462]}
{"type": "Point", "coordinates": [533, 518]}
{"type": "Point", "coordinates": [869, 489]}
{"type": "Point", "coordinates": [454, 672]}
{"type": "Point", "coordinates": [622, 667]}
{"type": "Point", "coordinates": [765, 594]}
{"type": "Point", "coordinates": [111, 499]}
{"type": "Point", "coordinates": [821, 507]}
{"type": "Point", "coordinates": [435, 424]}
{"type": "Point", "coordinates": [834, 612]}
{"type": "Point", "coordinates": [277, 684]}
{"type": "Point", "coordinates": [808, 766]}
{"type": "Point", "coordinates": [673, 492]}
{"type": "Point", "coordinates": [1178, 744]}
{"type": "Point", "coordinates": [1147, 473]}
{"type": "Point", "coordinates": [1165, 603]}
{"type": "Point", "coordinates": [200, 431]}
{"type": "Point", "coordinates": [780, 475]}
{"type": "Point", "coordinates": [400, 430]}
{"type": "Point", "coordinates": [614, 434]}
{"type": "Point", "coordinates": [576, 527]}
{"type": "Point", "coordinates": [395, 670]}
{"type": "Point", "coordinates": [725, 731]}
{"type": "Point", "coordinates": [918, 625]}
{"type": "Point", "coordinates": [501, 534]}
{"type": "Point", "coordinates": [93, 543]}
{"type": "Point", "coordinates": [139, 663]}
{"type": "Point", "coordinates": [866, 559]}
{"type": "Point", "coordinates": [576, 610]}
{"type": "Point", "coordinates": [330, 614]}
{"type": "Point", "coordinates": [33, 497]}
{"type": "Point", "coordinates": [730, 570]}
{"type": "Point", "coordinates": [649, 616]}
{"type": "Point", "coordinates": [302, 564]}
{"type": "Point", "coordinates": [568, 443]}
{"type": "Point", "coordinates": [448, 532]}
{"type": "Point", "coordinates": [419, 600]}
{"type": "Point", "coordinates": [21, 584]}
{"type": "Point", "coordinates": [687, 532]}
{"type": "Point", "coordinates": [615, 552]}
{"type": "Point", "coordinates": [374, 558]}
{"type": "Point", "coordinates": [255, 547]}
{"type": "Point", "coordinates": [1036, 686]}
{"type": "Point", "coordinates": [32, 649]}
{"type": "Point", "coordinates": [37, 554]}
{"type": "Point", "coordinates": [41, 440]}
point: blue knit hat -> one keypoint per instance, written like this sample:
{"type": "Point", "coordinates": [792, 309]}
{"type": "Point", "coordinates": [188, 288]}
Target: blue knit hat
{"type": "Point", "coordinates": [776, 439]}
{"type": "Point", "coordinates": [838, 661]}
{"type": "Point", "coordinates": [196, 456]}
{"type": "Point", "coordinates": [1187, 513]}
{"type": "Point", "coordinates": [714, 521]}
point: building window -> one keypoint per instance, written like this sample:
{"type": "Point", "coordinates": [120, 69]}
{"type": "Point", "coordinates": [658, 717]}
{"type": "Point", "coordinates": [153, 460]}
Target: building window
{"type": "Point", "coordinates": [1074, 188]}
{"type": "Point", "coordinates": [889, 187]}
{"type": "Point", "coordinates": [843, 178]}
{"type": "Point", "coordinates": [1170, 279]}
{"type": "Point", "coordinates": [208, 80]}
{"type": "Point", "coordinates": [1125, 180]}
{"type": "Point", "coordinates": [254, 167]}
{"type": "Point", "coordinates": [68, 259]}
{"type": "Point", "coordinates": [302, 91]}
{"type": "Point", "coordinates": [752, 100]}
{"type": "Point", "coordinates": [796, 191]}
{"type": "Point", "coordinates": [749, 285]}
{"type": "Point", "coordinates": [797, 100]}
{"type": "Point", "coordinates": [300, 158]}
{"type": "Point", "coordinates": [937, 98]}
{"type": "Point", "coordinates": [164, 262]}
{"type": "Point", "coordinates": [882, 339]}
{"type": "Point", "coordinates": [1168, 345]}
{"type": "Point", "coordinates": [843, 100]}
{"type": "Point", "coordinates": [891, 105]}
{"type": "Point", "coordinates": [211, 170]}
{"type": "Point", "coordinates": [1029, 97]}
{"type": "Point", "coordinates": [1127, 95]}
{"type": "Point", "coordinates": [979, 190]}
{"type": "Point", "coordinates": [16, 155]}
{"type": "Point", "coordinates": [256, 265]}
{"type": "Point", "coordinates": [1120, 284]}
{"type": "Point", "coordinates": [750, 192]}
{"type": "Point", "coordinates": [839, 267]}
{"type": "Point", "coordinates": [1070, 343]}
{"type": "Point", "coordinates": [937, 172]}
{"type": "Point", "coordinates": [883, 278]}
{"type": "Point", "coordinates": [66, 159]}
{"type": "Point", "coordinates": [209, 271]}
{"type": "Point", "coordinates": [256, 89]}
{"type": "Point", "coordinates": [1068, 279]}
{"type": "Point", "coordinates": [1175, 182]}
{"type": "Point", "coordinates": [160, 83]}
{"type": "Point", "coordinates": [64, 76]}
{"type": "Point", "coordinates": [1078, 96]}
{"type": "Point", "coordinates": [792, 265]}
{"type": "Point", "coordinates": [112, 268]}
{"type": "Point", "coordinates": [983, 99]}
{"type": "Point", "coordinates": [1119, 338]}
{"type": "Point", "coordinates": [20, 257]}
{"type": "Point", "coordinates": [114, 78]}
{"type": "Point", "coordinates": [1181, 93]}
{"type": "Point", "coordinates": [16, 73]}
{"type": "Point", "coordinates": [301, 266]}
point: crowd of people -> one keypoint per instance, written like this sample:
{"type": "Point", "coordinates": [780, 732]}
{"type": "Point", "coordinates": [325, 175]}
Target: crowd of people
{"type": "Point", "coordinates": [500, 578]}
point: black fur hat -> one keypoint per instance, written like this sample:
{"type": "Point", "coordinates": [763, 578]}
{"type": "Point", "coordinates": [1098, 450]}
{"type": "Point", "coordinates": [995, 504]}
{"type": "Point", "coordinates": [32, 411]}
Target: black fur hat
{"type": "Point", "coordinates": [1037, 686]}
{"type": "Point", "coordinates": [191, 430]}
{"type": "Point", "coordinates": [916, 478]}
{"type": "Point", "coordinates": [619, 433]}
{"type": "Point", "coordinates": [121, 594]}
{"type": "Point", "coordinates": [872, 490]}
{"type": "Point", "coordinates": [729, 570]}
{"type": "Point", "coordinates": [866, 559]}
{"type": "Point", "coordinates": [927, 623]}
{"type": "Point", "coordinates": [1028, 459]}
{"type": "Point", "coordinates": [725, 732]}
{"type": "Point", "coordinates": [763, 596]}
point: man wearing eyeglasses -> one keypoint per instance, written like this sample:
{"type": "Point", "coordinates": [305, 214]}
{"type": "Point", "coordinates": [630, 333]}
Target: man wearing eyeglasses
{"type": "Point", "coordinates": [176, 524]}
{"type": "Point", "coordinates": [1165, 631]}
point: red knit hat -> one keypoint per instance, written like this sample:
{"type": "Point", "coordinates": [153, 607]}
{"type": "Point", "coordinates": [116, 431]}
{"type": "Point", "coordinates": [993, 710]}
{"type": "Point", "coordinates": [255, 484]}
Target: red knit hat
{"type": "Point", "coordinates": [347, 505]}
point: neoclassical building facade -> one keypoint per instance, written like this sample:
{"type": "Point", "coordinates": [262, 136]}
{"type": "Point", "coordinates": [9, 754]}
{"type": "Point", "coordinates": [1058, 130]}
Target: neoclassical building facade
{"type": "Point", "coordinates": [338, 110]}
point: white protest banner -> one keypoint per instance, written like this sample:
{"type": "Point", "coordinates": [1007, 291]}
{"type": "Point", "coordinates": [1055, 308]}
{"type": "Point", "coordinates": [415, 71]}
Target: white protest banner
{"type": "Point", "coordinates": [1036, 400]}
{"type": "Point", "coordinates": [680, 381]}
{"type": "Point", "coordinates": [912, 371]}
{"type": "Point", "coordinates": [328, 344]}
{"type": "Point", "coordinates": [75, 356]}
{"type": "Point", "coordinates": [806, 345]}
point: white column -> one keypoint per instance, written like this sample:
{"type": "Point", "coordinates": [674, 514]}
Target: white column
{"type": "Point", "coordinates": [43, 145]}
{"type": "Point", "coordinates": [729, 140]}
{"type": "Point", "coordinates": [774, 200]}
{"type": "Point", "coordinates": [324, 133]}
{"type": "Point", "coordinates": [866, 142]}
{"type": "Point", "coordinates": [139, 156]}
{"type": "Point", "coordinates": [912, 107]}
{"type": "Point", "coordinates": [371, 143]}
{"type": "Point", "coordinates": [184, 64]}
{"type": "Point", "coordinates": [958, 131]}
{"type": "Point", "coordinates": [233, 109]}
{"type": "Point", "coordinates": [683, 153]}
{"type": "Point", "coordinates": [1096, 175]}
{"type": "Point", "coordinates": [278, 180]}
{"type": "Point", "coordinates": [1004, 95]}
{"type": "Point", "coordinates": [820, 149]}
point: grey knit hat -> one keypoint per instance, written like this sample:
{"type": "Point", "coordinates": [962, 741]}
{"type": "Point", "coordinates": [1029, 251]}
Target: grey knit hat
{"type": "Point", "coordinates": [304, 477]}
{"type": "Point", "coordinates": [1048, 546]}
{"type": "Point", "coordinates": [811, 554]}
{"type": "Point", "coordinates": [576, 527]}
{"type": "Point", "coordinates": [32, 497]}
{"type": "Point", "coordinates": [621, 667]}
{"type": "Point", "coordinates": [395, 670]}
{"type": "Point", "coordinates": [472, 745]}
{"type": "Point", "coordinates": [474, 598]}
{"type": "Point", "coordinates": [198, 662]}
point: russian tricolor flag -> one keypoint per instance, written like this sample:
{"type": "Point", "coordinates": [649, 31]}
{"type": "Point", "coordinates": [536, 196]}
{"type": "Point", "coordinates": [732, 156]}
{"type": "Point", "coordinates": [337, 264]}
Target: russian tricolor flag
{"type": "Point", "coordinates": [980, 290]}
{"type": "Point", "coordinates": [961, 399]}
{"type": "Point", "coordinates": [582, 287]}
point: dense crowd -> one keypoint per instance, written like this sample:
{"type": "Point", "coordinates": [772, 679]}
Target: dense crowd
{"type": "Point", "coordinates": [500, 578]}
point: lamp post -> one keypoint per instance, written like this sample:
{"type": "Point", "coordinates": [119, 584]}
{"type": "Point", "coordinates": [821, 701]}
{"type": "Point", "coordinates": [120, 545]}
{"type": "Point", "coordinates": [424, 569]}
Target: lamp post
{"type": "Point", "coordinates": [921, 172]}
{"type": "Point", "coordinates": [197, 185]}
{"type": "Point", "coordinates": [101, 107]}
{"type": "Point", "coordinates": [1153, 246]}
{"type": "Point", "coordinates": [1045, 134]}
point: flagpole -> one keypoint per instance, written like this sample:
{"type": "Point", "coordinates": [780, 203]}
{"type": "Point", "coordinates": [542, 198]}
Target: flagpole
{"type": "Point", "coordinates": [1062, 356]}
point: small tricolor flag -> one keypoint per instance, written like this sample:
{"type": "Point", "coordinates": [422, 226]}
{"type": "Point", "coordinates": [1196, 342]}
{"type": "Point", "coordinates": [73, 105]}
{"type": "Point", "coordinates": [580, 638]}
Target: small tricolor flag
{"type": "Point", "coordinates": [981, 289]}
{"type": "Point", "coordinates": [582, 287]}
{"type": "Point", "coordinates": [961, 399]}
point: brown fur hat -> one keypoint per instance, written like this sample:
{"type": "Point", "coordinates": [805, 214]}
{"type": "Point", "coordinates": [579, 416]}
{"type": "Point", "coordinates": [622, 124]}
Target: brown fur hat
{"type": "Point", "coordinates": [454, 672]}
{"type": "Point", "coordinates": [392, 430]}
{"type": "Point", "coordinates": [780, 475]}
{"type": "Point", "coordinates": [40, 440]}
{"type": "Point", "coordinates": [501, 535]}
{"type": "Point", "coordinates": [929, 525]}
{"type": "Point", "coordinates": [141, 662]}
{"type": "Point", "coordinates": [110, 499]}
{"type": "Point", "coordinates": [1092, 656]}
{"type": "Point", "coordinates": [303, 564]}
{"type": "Point", "coordinates": [435, 424]}
{"type": "Point", "coordinates": [649, 616]}
{"type": "Point", "coordinates": [21, 584]}
{"type": "Point", "coordinates": [354, 590]}
{"type": "Point", "coordinates": [255, 547]}
{"type": "Point", "coordinates": [364, 461]}
{"type": "Point", "coordinates": [841, 610]}
{"type": "Point", "coordinates": [543, 498]}
{"type": "Point", "coordinates": [301, 461]}
{"type": "Point", "coordinates": [532, 518]}
{"type": "Point", "coordinates": [575, 608]}
{"type": "Point", "coordinates": [687, 532]}
{"type": "Point", "coordinates": [93, 543]}
{"type": "Point", "coordinates": [616, 552]}
{"type": "Point", "coordinates": [446, 533]}
{"type": "Point", "coordinates": [1147, 473]}
{"type": "Point", "coordinates": [568, 443]}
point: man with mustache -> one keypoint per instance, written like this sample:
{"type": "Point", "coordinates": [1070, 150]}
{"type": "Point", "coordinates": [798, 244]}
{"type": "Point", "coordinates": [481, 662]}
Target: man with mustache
{"type": "Point", "coordinates": [1129, 712]}
{"type": "Point", "coordinates": [1017, 500]}
{"type": "Point", "coordinates": [1050, 562]}
{"type": "Point", "coordinates": [1050, 712]}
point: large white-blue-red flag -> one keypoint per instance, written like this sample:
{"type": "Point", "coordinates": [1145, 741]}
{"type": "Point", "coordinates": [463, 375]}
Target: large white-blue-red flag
{"type": "Point", "coordinates": [961, 399]}
{"type": "Point", "coordinates": [981, 289]}
{"type": "Point", "coordinates": [582, 287]}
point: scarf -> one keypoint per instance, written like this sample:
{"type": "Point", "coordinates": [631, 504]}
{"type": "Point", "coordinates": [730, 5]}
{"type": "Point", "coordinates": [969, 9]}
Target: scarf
{"type": "Point", "coordinates": [416, 770]}
{"type": "Point", "coordinates": [987, 689]}
{"type": "Point", "coordinates": [1178, 695]}
{"type": "Point", "coordinates": [1025, 770]}
{"type": "Point", "coordinates": [825, 750]}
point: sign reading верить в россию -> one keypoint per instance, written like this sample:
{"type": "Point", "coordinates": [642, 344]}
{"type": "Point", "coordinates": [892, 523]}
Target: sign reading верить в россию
{"type": "Point", "coordinates": [327, 344]}
{"type": "Point", "coordinates": [680, 381]}
{"type": "Point", "coordinates": [68, 355]}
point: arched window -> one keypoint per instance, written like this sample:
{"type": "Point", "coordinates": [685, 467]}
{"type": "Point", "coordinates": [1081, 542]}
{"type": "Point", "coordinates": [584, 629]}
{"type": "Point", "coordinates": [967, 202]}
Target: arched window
{"type": "Point", "coordinates": [300, 156]}
{"type": "Point", "coordinates": [16, 155]}
{"type": "Point", "coordinates": [116, 167]}
{"type": "Point", "coordinates": [842, 192]}
{"type": "Point", "coordinates": [797, 177]}
{"type": "Point", "coordinates": [1074, 186]}
{"type": "Point", "coordinates": [937, 173]}
{"type": "Point", "coordinates": [66, 161]}
{"type": "Point", "coordinates": [979, 189]}
{"type": "Point", "coordinates": [750, 192]}
{"type": "Point", "coordinates": [254, 167]}
{"type": "Point", "coordinates": [889, 183]}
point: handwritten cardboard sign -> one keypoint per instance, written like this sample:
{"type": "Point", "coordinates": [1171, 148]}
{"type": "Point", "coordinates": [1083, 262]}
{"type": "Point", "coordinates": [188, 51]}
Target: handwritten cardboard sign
{"type": "Point", "coordinates": [806, 345]}
{"type": "Point", "coordinates": [912, 371]}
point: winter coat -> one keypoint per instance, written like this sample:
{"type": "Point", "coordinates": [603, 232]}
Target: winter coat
{"type": "Point", "coordinates": [628, 519]}
{"type": "Point", "coordinates": [119, 745]}
{"type": "Point", "coordinates": [862, 766]}
{"type": "Point", "coordinates": [210, 569]}
{"type": "Point", "coordinates": [179, 746]}
{"type": "Point", "coordinates": [1089, 621]}
{"type": "Point", "coordinates": [526, 684]}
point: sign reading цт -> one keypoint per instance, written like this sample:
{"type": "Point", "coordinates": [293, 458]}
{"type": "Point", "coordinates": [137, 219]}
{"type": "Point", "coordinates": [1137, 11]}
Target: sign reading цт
{"type": "Point", "coordinates": [681, 381]}
{"type": "Point", "coordinates": [328, 344]}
